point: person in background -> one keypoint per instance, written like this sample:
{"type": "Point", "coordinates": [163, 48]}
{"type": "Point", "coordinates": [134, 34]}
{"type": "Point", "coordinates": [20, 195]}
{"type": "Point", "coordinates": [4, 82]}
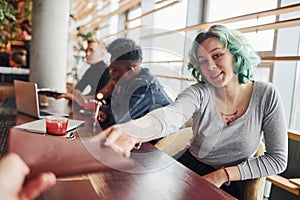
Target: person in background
{"type": "Point", "coordinates": [13, 172]}
{"type": "Point", "coordinates": [231, 113]}
{"type": "Point", "coordinates": [94, 78]}
{"type": "Point", "coordinates": [16, 59]}
{"type": "Point", "coordinates": [26, 37]}
{"type": "Point", "coordinates": [136, 90]}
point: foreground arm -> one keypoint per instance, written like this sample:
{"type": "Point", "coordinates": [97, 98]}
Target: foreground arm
{"type": "Point", "coordinates": [158, 123]}
{"type": "Point", "coordinates": [13, 172]}
{"type": "Point", "coordinates": [124, 137]}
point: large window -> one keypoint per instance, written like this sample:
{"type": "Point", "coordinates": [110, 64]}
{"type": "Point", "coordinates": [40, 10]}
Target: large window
{"type": "Point", "coordinates": [262, 40]}
{"type": "Point", "coordinates": [169, 47]}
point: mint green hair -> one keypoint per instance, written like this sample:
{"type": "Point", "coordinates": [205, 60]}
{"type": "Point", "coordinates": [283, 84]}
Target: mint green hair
{"type": "Point", "coordinates": [245, 58]}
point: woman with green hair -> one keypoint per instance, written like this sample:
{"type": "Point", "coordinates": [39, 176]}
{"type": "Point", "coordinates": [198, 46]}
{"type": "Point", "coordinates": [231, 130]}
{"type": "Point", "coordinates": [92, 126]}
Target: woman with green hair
{"type": "Point", "coordinates": [231, 114]}
{"type": "Point", "coordinates": [245, 58]}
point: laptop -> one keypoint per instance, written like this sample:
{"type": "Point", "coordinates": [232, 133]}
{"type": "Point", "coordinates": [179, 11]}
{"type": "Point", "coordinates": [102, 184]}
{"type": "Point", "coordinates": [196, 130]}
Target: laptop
{"type": "Point", "coordinates": [27, 101]}
{"type": "Point", "coordinates": [39, 126]}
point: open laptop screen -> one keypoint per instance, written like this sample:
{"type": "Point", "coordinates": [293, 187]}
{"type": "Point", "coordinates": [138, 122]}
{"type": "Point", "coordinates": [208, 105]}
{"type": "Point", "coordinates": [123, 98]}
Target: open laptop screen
{"type": "Point", "coordinates": [26, 98]}
{"type": "Point", "coordinates": [27, 101]}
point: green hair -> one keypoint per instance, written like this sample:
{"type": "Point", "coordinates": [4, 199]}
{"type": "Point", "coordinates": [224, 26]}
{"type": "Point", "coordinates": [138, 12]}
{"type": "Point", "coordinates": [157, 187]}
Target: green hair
{"type": "Point", "coordinates": [245, 57]}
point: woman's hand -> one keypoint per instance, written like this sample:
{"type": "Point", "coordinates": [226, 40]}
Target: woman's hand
{"type": "Point", "coordinates": [221, 176]}
{"type": "Point", "coordinates": [124, 137]}
{"type": "Point", "coordinates": [218, 177]}
{"type": "Point", "coordinates": [118, 140]}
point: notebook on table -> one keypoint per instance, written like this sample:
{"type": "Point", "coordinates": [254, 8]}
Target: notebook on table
{"type": "Point", "coordinates": [39, 126]}
{"type": "Point", "coordinates": [64, 157]}
{"type": "Point", "coordinates": [27, 100]}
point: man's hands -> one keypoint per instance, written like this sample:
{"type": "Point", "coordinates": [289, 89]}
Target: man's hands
{"type": "Point", "coordinates": [102, 117]}
{"type": "Point", "coordinates": [76, 96]}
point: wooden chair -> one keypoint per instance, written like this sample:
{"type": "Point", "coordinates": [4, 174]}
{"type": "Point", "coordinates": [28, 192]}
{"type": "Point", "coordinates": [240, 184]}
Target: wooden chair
{"type": "Point", "coordinates": [287, 184]}
{"type": "Point", "coordinates": [176, 143]}
{"type": "Point", "coordinates": [254, 189]}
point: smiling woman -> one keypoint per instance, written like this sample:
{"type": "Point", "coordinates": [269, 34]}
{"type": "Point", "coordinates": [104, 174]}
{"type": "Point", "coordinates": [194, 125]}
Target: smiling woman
{"type": "Point", "coordinates": [231, 113]}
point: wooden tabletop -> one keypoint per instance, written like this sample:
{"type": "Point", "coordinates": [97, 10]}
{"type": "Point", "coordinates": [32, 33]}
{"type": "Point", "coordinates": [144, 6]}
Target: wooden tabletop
{"type": "Point", "coordinates": [162, 177]}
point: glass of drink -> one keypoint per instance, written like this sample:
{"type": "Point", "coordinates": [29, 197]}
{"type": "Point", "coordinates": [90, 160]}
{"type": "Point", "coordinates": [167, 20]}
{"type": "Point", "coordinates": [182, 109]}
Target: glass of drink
{"type": "Point", "coordinates": [56, 125]}
{"type": "Point", "coordinates": [90, 105]}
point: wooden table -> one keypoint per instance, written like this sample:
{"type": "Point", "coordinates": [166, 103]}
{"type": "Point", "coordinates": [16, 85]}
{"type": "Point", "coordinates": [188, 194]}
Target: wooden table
{"type": "Point", "coordinates": [166, 179]}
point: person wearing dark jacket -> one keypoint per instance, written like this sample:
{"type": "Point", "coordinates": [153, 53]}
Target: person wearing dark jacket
{"type": "Point", "coordinates": [26, 36]}
{"type": "Point", "coordinates": [136, 91]}
{"type": "Point", "coordinates": [94, 78]}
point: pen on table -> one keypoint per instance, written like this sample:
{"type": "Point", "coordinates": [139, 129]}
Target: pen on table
{"type": "Point", "coordinates": [97, 110]}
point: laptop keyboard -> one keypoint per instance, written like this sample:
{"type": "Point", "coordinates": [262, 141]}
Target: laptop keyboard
{"type": "Point", "coordinates": [43, 113]}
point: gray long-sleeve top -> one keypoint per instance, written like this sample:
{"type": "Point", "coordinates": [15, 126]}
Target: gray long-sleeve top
{"type": "Point", "coordinates": [217, 144]}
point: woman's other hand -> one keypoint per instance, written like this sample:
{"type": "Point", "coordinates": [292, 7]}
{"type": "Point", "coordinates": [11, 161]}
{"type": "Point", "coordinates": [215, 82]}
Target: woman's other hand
{"type": "Point", "coordinates": [102, 117]}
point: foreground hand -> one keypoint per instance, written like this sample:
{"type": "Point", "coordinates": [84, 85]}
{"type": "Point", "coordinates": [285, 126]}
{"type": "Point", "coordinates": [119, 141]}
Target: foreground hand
{"type": "Point", "coordinates": [13, 171]}
{"type": "Point", "coordinates": [118, 140]}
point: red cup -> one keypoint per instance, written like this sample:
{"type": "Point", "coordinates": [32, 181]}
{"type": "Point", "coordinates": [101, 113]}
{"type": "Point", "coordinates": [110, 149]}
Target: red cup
{"type": "Point", "coordinates": [56, 125]}
{"type": "Point", "coordinates": [90, 105]}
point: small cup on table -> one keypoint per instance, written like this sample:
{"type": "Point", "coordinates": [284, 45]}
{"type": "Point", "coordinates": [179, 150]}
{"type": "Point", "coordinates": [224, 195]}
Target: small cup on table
{"type": "Point", "coordinates": [56, 125]}
{"type": "Point", "coordinates": [90, 105]}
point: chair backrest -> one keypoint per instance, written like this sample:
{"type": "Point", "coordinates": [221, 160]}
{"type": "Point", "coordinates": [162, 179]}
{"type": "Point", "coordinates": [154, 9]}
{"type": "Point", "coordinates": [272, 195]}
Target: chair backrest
{"type": "Point", "coordinates": [282, 187]}
{"type": "Point", "coordinates": [254, 189]}
{"type": "Point", "coordinates": [175, 144]}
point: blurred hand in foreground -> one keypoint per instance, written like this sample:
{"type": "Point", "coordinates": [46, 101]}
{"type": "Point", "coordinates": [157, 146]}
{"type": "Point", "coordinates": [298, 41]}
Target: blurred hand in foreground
{"type": "Point", "coordinates": [13, 172]}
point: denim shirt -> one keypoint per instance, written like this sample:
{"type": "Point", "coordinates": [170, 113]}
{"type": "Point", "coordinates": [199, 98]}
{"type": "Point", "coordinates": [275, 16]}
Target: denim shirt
{"type": "Point", "coordinates": [136, 98]}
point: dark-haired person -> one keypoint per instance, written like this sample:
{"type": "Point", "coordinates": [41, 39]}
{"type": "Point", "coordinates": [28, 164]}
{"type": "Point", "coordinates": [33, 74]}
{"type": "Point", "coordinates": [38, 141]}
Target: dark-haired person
{"type": "Point", "coordinates": [26, 37]}
{"type": "Point", "coordinates": [231, 114]}
{"type": "Point", "coordinates": [136, 90]}
{"type": "Point", "coordinates": [94, 78]}
{"type": "Point", "coordinates": [16, 59]}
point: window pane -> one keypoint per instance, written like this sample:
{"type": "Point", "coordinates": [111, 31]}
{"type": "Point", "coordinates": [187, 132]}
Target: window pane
{"type": "Point", "coordinates": [236, 8]}
{"type": "Point", "coordinates": [295, 119]}
{"type": "Point", "coordinates": [172, 17]}
{"type": "Point", "coordinates": [262, 40]}
{"type": "Point", "coordinates": [262, 73]}
{"type": "Point", "coordinates": [133, 14]}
